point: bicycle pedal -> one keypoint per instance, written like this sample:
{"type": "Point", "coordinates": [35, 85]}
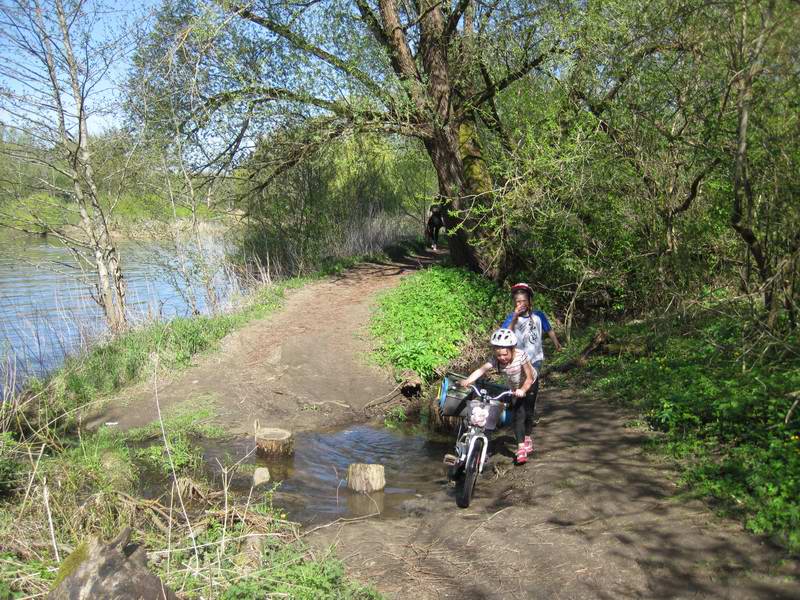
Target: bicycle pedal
{"type": "Point", "coordinates": [450, 460]}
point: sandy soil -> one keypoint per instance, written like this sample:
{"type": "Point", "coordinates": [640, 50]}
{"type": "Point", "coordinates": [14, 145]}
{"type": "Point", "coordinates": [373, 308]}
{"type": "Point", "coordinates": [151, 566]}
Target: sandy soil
{"type": "Point", "coordinates": [304, 367]}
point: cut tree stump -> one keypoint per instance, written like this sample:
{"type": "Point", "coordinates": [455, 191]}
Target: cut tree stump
{"type": "Point", "coordinates": [365, 478]}
{"type": "Point", "coordinates": [411, 384]}
{"type": "Point", "coordinates": [271, 441]}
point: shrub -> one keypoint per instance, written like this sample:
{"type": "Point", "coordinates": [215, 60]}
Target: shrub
{"type": "Point", "coordinates": [423, 323]}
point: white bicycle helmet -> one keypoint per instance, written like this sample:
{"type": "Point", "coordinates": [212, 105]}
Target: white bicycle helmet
{"type": "Point", "coordinates": [504, 338]}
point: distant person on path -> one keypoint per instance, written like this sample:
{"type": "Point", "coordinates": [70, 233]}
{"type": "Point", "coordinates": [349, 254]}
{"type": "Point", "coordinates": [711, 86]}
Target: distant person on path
{"type": "Point", "coordinates": [529, 326]}
{"type": "Point", "coordinates": [513, 363]}
{"type": "Point", "coordinates": [435, 223]}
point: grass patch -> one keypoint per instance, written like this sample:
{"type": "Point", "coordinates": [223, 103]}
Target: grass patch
{"type": "Point", "coordinates": [179, 452]}
{"type": "Point", "coordinates": [395, 417]}
{"type": "Point", "coordinates": [184, 419]}
{"type": "Point", "coordinates": [722, 398]}
{"type": "Point", "coordinates": [424, 322]}
{"type": "Point", "coordinates": [287, 572]}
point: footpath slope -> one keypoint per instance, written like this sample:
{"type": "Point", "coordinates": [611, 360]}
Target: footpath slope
{"type": "Point", "coordinates": [304, 367]}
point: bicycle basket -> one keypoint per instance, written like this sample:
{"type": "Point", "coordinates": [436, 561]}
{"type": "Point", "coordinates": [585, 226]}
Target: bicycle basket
{"type": "Point", "coordinates": [496, 413]}
{"type": "Point", "coordinates": [452, 400]}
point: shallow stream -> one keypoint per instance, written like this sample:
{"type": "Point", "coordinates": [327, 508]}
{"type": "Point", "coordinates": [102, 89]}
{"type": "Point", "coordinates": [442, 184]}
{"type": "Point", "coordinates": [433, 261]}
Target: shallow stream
{"type": "Point", "coordinates": [313, 486]}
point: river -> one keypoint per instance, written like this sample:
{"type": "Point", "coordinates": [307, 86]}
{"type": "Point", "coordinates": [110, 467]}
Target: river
{"type": "Point", "coordinates": [46, 308]}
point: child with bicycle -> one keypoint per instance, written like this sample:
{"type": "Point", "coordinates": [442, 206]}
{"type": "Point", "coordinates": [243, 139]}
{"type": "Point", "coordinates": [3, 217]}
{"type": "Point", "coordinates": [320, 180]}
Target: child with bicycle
{"type": "Point", "coordinates": [514, 365]}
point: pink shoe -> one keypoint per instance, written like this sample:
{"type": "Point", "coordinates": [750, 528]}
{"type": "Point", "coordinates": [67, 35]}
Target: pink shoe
{"type": "Point", "coordinates": [522, 455]}
{"type": "Point", "coordinates": [529, 444]}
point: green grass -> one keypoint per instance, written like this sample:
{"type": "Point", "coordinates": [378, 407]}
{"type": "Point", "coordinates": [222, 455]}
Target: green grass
{"type": "Point", "coordinates": [38, 213]}
{"type": "Point", "coordinates": [423, 323]}
{"type": "Point", "coordinates": [131, 209]}
{"type": "Point", "coordinates": [287, 572]}
{"type": "Point", "coordinates": [188, 418]}
{"type": "Point", "coordinates": [395, 417]}
{"type": "Point", "coordinates": [721, 398]}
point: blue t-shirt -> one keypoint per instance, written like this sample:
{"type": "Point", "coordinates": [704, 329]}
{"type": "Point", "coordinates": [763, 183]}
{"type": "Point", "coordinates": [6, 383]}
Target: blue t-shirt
{"type": "Point", "coordinates": [529, 330]}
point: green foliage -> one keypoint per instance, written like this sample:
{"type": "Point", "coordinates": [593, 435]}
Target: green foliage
{"type": "Point", "coordinates": [721, 396]}
{"type": "Point", "coordinates": [422, 323]}
{"type": "Point", "coordinates": [100, 462]}
{"type": "Point", "coordinates": [12, 568]}
{"type": "Point", "coordinates": [395, 417]}
{"type": "Point", "coordinates": [38, 213]}
{"type": "Point", "coordinates": [289, 573]}
{"type": "Point", "coordinates": [10, 467]}
{"type": "Point", "coordinates": [351, 197]}
{"type": "Point", "coordinates": [179, 453]}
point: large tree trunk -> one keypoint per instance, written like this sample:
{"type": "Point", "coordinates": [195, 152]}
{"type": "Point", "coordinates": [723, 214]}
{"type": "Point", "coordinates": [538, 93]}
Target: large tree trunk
{"type": "Point", "coordinates": [479, 193]}
{"type": "Point", "coordinates": [446, 159]}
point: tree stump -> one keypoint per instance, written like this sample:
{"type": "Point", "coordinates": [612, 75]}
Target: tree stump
{"type": "Point", "coordinates": [411, 384]}
{"type": "Point", "coordinates": [271, 441]}
{"type": "Point", "coordinates": [365, 478]}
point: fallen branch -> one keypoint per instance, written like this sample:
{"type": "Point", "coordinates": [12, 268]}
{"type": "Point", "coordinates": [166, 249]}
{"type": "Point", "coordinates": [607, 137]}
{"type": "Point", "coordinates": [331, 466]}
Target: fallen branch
{"type": "Point", "coordinates": [383, 399]}
{"type": "Point", "coordinates": [599, 341]}
{"type": "Point", "coordinates": [469, 539]}
{"type": "Point", "coordinates": [342, 521]}
{"type": "Point", "coordinates": [796, 396]}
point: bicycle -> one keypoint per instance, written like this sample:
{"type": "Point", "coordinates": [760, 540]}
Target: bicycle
{"type": "Point", "coordinates": [482, 412]}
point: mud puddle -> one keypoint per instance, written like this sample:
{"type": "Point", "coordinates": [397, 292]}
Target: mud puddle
{"type": "Point", "coordinates": [311, 483]}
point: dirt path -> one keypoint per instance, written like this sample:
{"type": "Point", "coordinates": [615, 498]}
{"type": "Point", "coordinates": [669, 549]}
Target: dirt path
{"type": "Point", "coordinates": [591, 516]}
{"type": "Point", "coordinates": [304, 367]}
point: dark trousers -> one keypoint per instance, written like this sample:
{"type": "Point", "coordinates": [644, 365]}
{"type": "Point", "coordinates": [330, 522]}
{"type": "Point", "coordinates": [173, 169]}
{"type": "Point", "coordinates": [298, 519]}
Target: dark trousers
{"type": "Point", "coordinates": [522, 413]}
{"type": "Point", "coordinates": [433, 234]}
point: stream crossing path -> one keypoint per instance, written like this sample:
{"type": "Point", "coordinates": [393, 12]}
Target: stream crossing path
{"type": "Point", "coordinates": [592, 514]}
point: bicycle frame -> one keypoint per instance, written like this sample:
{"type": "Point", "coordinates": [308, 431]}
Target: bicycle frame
{"type": "Point", "coordinates": [465, 446]}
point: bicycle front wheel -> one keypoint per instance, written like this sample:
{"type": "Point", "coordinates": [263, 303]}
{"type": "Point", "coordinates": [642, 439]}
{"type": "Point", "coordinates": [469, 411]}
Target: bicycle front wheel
{"type": "Point", "coordinates": [464, 493]}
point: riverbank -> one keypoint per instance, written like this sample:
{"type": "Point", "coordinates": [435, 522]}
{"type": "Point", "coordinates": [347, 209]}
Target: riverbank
{"type": "Point", "coordinates": [91, 480]}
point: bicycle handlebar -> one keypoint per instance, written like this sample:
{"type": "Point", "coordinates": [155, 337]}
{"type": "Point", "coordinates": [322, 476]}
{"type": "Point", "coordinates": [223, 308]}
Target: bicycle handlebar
{"type": "Point", "coordinates": [485, 396]}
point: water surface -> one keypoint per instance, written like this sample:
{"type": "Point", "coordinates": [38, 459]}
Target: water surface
{"type": "Point", "coordinates": [46, 305]}
{"type": "Point", "coordinates": [313, 484]}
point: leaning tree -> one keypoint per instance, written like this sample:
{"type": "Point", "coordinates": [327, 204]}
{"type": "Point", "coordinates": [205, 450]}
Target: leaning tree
{"type": "Point", "coordinates": [427, 69]}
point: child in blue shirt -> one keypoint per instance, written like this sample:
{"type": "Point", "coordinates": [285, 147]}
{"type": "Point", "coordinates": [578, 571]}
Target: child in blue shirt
{"type": "Point", "coordinates": [529, 326]}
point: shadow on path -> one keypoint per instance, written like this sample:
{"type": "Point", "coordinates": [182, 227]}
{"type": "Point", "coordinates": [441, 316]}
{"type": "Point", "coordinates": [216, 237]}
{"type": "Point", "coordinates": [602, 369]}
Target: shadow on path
{"type": "Point", "coordinates": [590, 516]}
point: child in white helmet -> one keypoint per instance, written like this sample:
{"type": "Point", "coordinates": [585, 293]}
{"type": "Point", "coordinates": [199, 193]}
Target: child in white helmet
{"type": "Point", "coordinates": [514, 365]}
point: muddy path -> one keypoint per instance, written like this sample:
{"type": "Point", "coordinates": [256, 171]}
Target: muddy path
{"type": "Point", "coordinates": [590, 516]}
{"type": "Point", "coordinates": [305, 367]}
